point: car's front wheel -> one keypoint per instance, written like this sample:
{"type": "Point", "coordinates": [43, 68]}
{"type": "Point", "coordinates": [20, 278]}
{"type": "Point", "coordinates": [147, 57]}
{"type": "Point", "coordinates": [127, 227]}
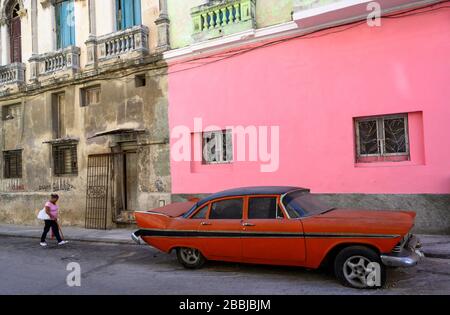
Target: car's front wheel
{"type": "Point", "coordinates": [359, 267]}
{"type": "Point", "coordinates": [190, 258]}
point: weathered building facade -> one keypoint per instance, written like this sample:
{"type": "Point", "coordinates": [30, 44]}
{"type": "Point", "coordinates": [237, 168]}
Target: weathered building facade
{"type": "Point", "coordinates": [347, 98]}
{"type": "Point", "coordinates": [83, 96]}
{"type": "Point", "coordinates": [359, 108]}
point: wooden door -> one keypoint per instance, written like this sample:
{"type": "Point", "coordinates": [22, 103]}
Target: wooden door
{"type": "Point", "coordinates": [15, 37]}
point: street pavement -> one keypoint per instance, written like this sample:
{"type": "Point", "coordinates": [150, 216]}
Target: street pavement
{"type": "Point", "coordinates": [119, 268]}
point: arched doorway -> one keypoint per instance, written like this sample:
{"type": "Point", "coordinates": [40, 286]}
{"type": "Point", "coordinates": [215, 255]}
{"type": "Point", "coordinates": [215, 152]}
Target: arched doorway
{"type": "Point", "coordinates": [15, 32]}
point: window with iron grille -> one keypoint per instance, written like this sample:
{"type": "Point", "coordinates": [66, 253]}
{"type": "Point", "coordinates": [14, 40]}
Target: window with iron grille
{"type": "Point", "coordinates": [12, 164]}
{"type": "Point", "coordinates": [217, 147]}
{"type": "Point", "coordinates": [382, 138]}
{"type": "Point", "coordinates": [65, 159]}
{"type": "Point", "coordinates": [90, 95]}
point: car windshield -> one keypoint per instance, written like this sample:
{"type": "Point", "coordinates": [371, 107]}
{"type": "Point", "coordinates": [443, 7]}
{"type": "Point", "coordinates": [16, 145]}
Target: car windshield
{"type": "Point", "coordinates": [303, 204]}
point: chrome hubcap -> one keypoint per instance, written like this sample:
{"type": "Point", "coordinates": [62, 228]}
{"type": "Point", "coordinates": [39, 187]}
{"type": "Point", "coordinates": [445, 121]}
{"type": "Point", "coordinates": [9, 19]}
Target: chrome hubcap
{"type": "Point", "coordinates": [357, 270]}
{"type": "Point", "coordinates": [190, 255]}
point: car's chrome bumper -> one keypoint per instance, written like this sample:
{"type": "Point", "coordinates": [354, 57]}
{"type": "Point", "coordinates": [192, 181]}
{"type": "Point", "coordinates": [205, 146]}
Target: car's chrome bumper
{"type": "Point", "coordinates": [136, 237]}
{"type": "Point", "coordinates": [408, 256]}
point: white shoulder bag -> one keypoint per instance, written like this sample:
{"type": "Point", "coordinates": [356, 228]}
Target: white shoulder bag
{"type": "Point", "coordinates": [42, 215]}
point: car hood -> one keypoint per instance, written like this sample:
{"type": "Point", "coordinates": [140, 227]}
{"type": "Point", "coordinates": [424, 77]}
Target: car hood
{"type": "Point", "coordinates": [362, 221]}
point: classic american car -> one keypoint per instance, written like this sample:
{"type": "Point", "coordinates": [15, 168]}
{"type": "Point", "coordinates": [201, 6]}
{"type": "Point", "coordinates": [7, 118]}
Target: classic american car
{"type": "Point", "coordinates": [283, 226]}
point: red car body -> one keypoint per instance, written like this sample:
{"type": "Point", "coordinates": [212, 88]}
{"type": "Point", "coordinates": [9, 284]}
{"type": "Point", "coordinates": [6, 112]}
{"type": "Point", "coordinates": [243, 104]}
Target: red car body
{"type": "Point", "coordinates": [305, 241]}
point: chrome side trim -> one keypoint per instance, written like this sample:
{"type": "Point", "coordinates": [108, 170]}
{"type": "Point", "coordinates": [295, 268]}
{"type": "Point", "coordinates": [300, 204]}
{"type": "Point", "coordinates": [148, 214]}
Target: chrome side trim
{"type": "Point", "coordinates": [151, 212]}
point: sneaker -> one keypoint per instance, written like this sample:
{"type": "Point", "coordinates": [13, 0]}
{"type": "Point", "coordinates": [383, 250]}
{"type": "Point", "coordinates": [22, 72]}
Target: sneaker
{"type": "Point", "coordinates": [43, 244]}
{"type": "Point", "coordinates": [63, 243]}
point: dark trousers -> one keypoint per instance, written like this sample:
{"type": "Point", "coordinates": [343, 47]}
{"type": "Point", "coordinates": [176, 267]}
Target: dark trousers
{"type": "Point", "coordinates": [51, 224]}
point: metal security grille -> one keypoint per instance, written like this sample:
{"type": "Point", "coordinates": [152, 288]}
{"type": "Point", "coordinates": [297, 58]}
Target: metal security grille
{"type": "Point", "coordinates": [98, 190]}
{"type": "Point", "coordinates": [382, 137]}
{"type": "Point", "coordinates": [65, 160]}
{"type": "Point", "coordinates": [12, 161]}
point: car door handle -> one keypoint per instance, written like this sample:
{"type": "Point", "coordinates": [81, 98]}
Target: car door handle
{"type": "Point", "coordinates": [248, 224]}
{"type": "Point", "coordinates": [205, 223]}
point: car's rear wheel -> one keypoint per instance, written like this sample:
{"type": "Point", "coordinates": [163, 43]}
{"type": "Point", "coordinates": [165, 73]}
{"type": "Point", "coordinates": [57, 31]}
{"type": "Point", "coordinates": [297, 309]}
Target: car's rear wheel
{"type": "Point", "coordinates": [359, 267]}
{"type": "Point", "coordinates": [190, 258]}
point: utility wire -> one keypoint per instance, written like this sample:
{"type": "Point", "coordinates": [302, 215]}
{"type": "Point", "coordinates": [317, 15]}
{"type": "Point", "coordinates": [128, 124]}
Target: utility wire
{"type": "Point", "coordinates": [240, 51]}
{"type": "Point", "coordinates": [314, 34]}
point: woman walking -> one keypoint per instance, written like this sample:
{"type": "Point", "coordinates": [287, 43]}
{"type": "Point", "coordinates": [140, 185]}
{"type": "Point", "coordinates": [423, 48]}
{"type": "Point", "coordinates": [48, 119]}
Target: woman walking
{"type": "Point", "coordinates": [51, 208]}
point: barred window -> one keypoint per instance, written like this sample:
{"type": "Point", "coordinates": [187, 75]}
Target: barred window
{"type": "Point", "coordinates": [382, 138]}
{"type": "Point", "coordinates": [217, 147]}
{"type": "Point", "coordinates": [12, 164]}
{"type": "Point", "coordinates": [65, 159]}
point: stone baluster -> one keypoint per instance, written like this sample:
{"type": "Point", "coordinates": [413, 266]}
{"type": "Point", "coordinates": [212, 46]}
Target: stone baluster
{"type": "Point", "coordinates": [237, 17]}
{"type": "Point", "coordinates": [224, 16]}
{"type": "Point", "coordinates": [205, 21]}
{"type": "Point", "coordinates": [218, 22]}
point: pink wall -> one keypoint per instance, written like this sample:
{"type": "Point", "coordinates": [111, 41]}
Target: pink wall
{"type": "Point", "coordinates": [312, 89]}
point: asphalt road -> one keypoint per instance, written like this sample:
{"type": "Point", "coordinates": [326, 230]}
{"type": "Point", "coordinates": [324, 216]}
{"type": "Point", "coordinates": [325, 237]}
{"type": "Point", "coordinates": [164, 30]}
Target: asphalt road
{"type": "Point", "coordinates": [26, 268]}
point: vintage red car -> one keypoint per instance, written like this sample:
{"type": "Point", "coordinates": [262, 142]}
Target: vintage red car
{"type": "Point", "coordinates": [283, 226]}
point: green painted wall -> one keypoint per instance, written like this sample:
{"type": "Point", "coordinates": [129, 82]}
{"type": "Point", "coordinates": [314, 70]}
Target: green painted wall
{"type": "Point", "coordinates": [271, 12]}
{"type": "Point", "coordinates": [268, 12]}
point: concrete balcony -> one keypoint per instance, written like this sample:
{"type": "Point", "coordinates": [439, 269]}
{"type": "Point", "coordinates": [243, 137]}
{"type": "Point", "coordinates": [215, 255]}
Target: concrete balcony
{"type": "Point", "coordinates": [223, 17]}
{"type": "Point", "coordinates": [131, 43]}
{"type": "Point", "coordinates": [12, 76]}
{"type": "Point", "coordinates": [60, 64]}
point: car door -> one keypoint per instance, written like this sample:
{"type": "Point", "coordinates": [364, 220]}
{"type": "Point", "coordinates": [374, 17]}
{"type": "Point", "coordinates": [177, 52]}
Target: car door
{"type": "Point", "coordinates": [190, 225]}
{"type": "Point", "coordinates": [268, 235]}
{"type": "Point", "coordinates": [221, 232]}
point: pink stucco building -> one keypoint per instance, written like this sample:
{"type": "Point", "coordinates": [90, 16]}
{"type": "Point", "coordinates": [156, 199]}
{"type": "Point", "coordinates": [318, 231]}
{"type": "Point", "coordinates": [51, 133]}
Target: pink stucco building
{"type": "Point", "coordinates": [362, 112]}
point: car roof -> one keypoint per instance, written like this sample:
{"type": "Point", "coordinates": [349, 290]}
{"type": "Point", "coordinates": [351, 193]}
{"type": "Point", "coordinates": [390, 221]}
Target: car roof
{"type": "Point", "coordinates": [258, 190]}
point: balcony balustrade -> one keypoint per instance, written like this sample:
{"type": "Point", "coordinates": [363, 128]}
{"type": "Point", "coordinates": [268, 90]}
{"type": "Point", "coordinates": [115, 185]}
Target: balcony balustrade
{"type": "Point", "coordinates": [13, 73]}
{"type": "Point", "coordinates": [130, 43]}
{"type": "Point", "coordinates": [56, 63]}
{"type": "Point", "coordinates": [224, 17]}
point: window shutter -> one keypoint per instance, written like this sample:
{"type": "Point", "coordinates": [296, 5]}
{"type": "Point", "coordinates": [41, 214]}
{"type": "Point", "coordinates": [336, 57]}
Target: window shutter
{"type": "Point", "coordinates": [137, 12]}
{"type": "Point", "coordinates": [15, 40]}
{"type": "Point", "coordinates": [127, 13]}
{"type": "Point", "coordinates": [65, 19]}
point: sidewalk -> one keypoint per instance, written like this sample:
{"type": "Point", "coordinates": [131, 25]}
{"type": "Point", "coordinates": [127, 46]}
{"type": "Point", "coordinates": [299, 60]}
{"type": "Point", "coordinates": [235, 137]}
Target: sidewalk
{"type": "Point", "coordinates": [437, 246]}
{"type": "Point", "coordinates": [118, 236]}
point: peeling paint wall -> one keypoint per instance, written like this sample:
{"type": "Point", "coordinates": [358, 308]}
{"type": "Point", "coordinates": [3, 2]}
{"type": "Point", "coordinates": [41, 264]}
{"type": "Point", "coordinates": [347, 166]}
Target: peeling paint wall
{"type": "Point", "coordinates": [122, 104]}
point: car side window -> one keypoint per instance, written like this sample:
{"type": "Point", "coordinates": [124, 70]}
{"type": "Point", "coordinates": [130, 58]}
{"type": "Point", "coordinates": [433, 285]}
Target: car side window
{"type": "Point", "coordinates": [201, 214]}
{"type": "Point", "coordinates": [263, 208]}
{"type": "Point", "coordinates": [227, 209]}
